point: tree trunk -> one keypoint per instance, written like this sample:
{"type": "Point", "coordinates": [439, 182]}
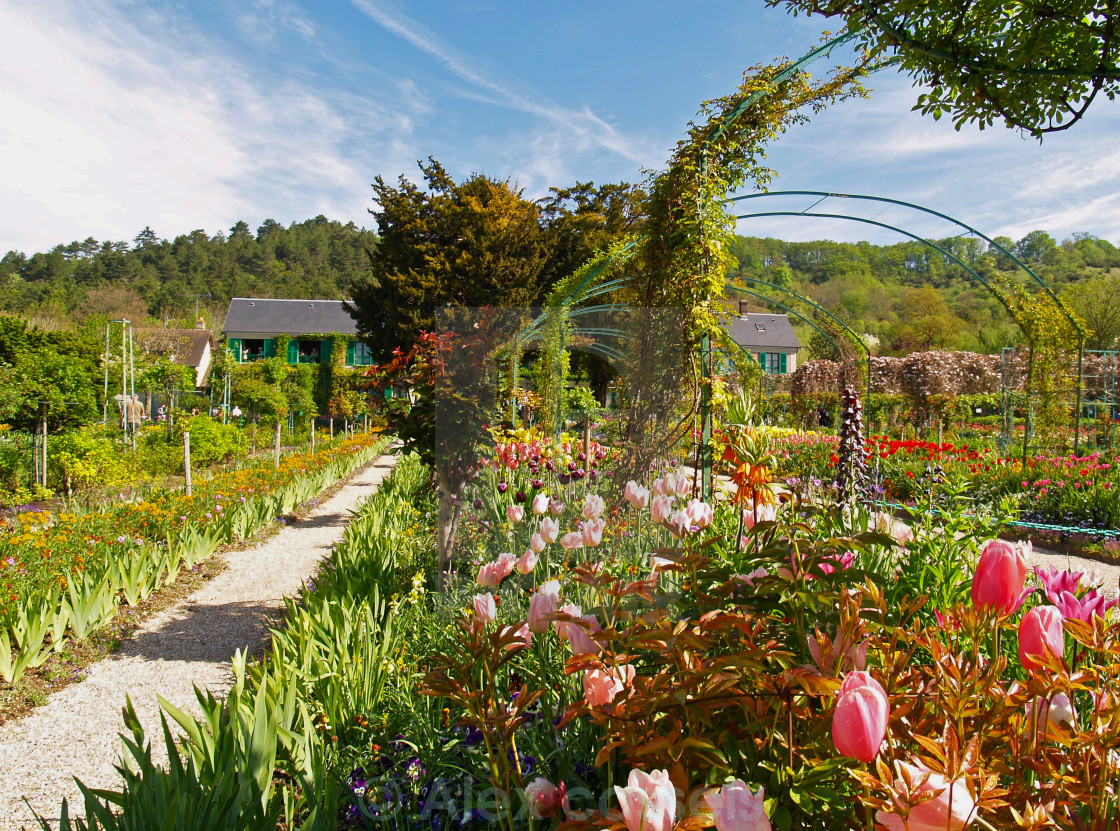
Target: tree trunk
{"type": "Point", "coordinates": [450, 506]}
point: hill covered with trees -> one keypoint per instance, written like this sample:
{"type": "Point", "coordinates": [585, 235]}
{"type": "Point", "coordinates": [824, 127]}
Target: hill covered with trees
{"type": "Point", "coordinates": [162, 279]}
{"type": "Point", "coordinates": [908, 296]}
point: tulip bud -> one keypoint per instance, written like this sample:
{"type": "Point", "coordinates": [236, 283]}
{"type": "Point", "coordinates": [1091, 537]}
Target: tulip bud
{"type": "Point", "coordinates": [1040, 634]}
{"type": "Point", "coordinates": [999, 578]}
{"type": "Point", "coordinates": [542, 605]}
{"type": "Point", "coordinates": [484, 608]}
{"type": "Point", "coordinates": [859, 722]}
{"type": "Point", "coordinates": [527, 562]}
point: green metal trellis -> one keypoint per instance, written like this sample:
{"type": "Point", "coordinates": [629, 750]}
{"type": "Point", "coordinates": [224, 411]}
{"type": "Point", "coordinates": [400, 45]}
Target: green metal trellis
{"type": "Point", "coordinates": [822, 195]}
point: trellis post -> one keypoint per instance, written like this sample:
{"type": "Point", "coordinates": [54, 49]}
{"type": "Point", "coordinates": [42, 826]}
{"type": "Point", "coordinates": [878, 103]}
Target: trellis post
{"type": "Point", "coordinates": [706, 416]}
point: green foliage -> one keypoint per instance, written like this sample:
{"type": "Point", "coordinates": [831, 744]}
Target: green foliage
{"type": "Point", "coordinates": [1097, 302]}
{"type": "Point", "coordinates": [281, 742]}
{"type": "Point", "coordinates": [211, 441]}
{"type": "Point", "coordinates": [471, 244]}
{"type": "Point", "coordinates": [163, 279]}
{"type": "Point", "coordinates": [1034, 67]}
{"type": "Point", "coordinates": [82, 460]}
{"type": "Point", "coordinates": [55, 370]}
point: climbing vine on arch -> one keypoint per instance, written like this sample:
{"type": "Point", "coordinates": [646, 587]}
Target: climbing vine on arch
{"type": "Point", "coordinates": [682, 256]}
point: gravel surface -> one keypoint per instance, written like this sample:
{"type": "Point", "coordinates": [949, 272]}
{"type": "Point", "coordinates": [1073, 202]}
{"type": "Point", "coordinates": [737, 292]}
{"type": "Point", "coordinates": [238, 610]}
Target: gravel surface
{"type": "Point", "coordinates": [75, 734]}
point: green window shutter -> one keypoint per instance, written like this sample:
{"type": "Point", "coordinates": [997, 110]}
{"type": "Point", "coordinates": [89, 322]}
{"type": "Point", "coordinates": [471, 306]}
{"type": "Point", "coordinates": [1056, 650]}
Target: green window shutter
{"type": "Point", "coordinates": [269, 348]}
{"type": "Point", "coordinates": [350, 353]}
{"type": "Point", "coordinates": [234, 346]}
{"type": "Point", "coordinates": [762, 360]}
{"type": "Point", "coordinates": [325, 352]}
{"type": "Point", "coordinates": [783, 363]}
{"type": "Point", "coordinates": [293, 351]}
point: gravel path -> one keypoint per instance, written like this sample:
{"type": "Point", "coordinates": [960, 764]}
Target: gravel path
{"type": "Point", "coordinates": [76, 733]}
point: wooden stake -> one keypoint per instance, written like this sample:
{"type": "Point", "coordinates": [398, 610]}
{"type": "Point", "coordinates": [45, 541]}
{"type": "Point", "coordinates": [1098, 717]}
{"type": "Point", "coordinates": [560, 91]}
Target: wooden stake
{"type": "Point", "coordinates": [187, 459]}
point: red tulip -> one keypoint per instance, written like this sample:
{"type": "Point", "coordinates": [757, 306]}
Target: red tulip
{"type": "Point", "coordinates": [859, 722]}
{"type": "Point", "coordinates": [999, 578]}
{"type": "Point", "coordinates": [1040, 634]}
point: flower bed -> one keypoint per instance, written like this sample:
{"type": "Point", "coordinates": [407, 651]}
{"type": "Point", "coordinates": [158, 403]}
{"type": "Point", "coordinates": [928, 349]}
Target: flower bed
{"type": "Point", "coordinates": [1072, 491]}
{"type": "Point", "coordinates": [62, 576]}
{"type": "Point", "coordinates": [658, 663]}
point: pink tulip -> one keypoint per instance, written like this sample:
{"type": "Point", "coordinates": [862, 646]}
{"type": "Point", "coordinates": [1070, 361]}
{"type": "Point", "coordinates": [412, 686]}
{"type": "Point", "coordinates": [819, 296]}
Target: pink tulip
{"type": "Point", "coordinates": [636, 495]}
{"type": "Point", "coordinates": [593, 507]}
{"type": "Point", "coordinates": [951, 809]}
{"type": "Point", "coordinates": [592, 532]}
{"type": "Point", "coordinates": [1059, 712]}
{"type": "Point", "coordinates": [666, 485]}
{"type": "Point", "coordinates": [660, 507]}
{"type": "Point", "coordinates": [684, 485]}
{"type": "Point", "coordinates": [679, 524]}
{"type": "Point", "coordinates": [1040, 634]}
{"type": "Point", "coordinates": [544, 798]}
{"type": "Point", "coordinates": [494, 573]}
{"type": "Point", "coordinates": [1055, 582]}
{"type": "Point", "coordinates": [648, 802]}
{"type": "Point", "coordinates": [854, 657]}
{"type": "Point", "coordinates": [1083, 608]}
{"type": "Point", "coordinates": [542, 606]}
{"type": "Point", "coordinates": [750, 578]}
{"type": "Point", "coordinates": [833, 562]}
{"type": "Point", "coordinates": [600, 687]}
{"type": "Point", "coordinates": [859, 722]}
{"type": "Point", "coordinates": [522, 634]}
{"type": "Point", "coordinates": [899, 531]}
{"type": "Point", "coordinates": [515, 513]}
{"type": "Point", "coordinates": [540, 504]}
{"type": "Point", "coordinates": [537, 543]}
{"type": "Point", "coordinates": [700, 513]}
{"type": "Point", "coordinates": [762, 512]}
{"type": "Point", "coordinates": [572, 541]}
{"type": "Point", "coordinates": [735, 807]}
{"type": "Point", "coordinates": [527, 561]}
{"type": "Point", "coordinates": [577, 636]}
{"type": "Point", "coordinates": [999, 578]}
{"type": "Point", "coordinates": [484, 607]}
{"type": "Point", "coordinates": [550, 530]}
{"type": "Point", "coordinates": [556, 507]}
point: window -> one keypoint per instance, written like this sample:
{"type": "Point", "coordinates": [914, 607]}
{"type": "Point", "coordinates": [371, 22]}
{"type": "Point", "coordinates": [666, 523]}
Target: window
{"type": "Point", "coordinates": [358, 354]}
{"type": "Point", "coordinates": [760, 327]}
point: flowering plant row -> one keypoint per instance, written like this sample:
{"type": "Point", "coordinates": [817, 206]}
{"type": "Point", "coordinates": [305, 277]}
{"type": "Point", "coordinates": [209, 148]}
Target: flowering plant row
{"type": "Point", "coordinates": [62, 575]}
{"type": "Point", "coordinates": [1072, 491]}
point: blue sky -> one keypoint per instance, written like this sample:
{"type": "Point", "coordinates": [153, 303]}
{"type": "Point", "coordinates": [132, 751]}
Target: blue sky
{"type": "Point", "coordinates": [193, 114]}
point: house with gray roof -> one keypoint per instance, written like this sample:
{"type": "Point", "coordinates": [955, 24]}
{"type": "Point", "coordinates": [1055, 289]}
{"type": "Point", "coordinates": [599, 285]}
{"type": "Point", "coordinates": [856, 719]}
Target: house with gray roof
{"type": "Point", "coordinates": [769, 338]}
{"type": "Point", "coordinates": [255, 326]}
{"type": "Point", "coordinates": [193, 348]}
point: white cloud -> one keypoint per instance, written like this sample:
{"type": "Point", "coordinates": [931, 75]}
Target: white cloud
{"type": "Point", "coordinates": [115, 120]}
{"type": "Point", "coordinates": [586, 129]}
